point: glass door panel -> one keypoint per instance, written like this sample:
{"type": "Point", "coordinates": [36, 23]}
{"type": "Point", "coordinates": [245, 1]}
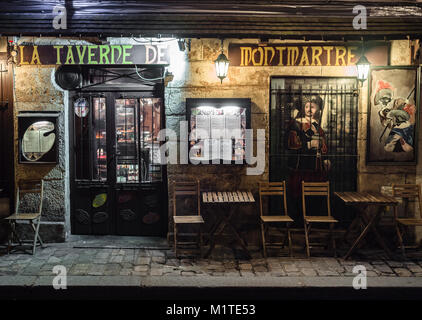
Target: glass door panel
{"type": "Point", "coordinates": [100, 142]}
{"type": "Point", "coordinates": [127, 162]}
{"type": "Point", "coordinates": [150, 125]}
{"type": "Point", "coordinates": [90, 139]}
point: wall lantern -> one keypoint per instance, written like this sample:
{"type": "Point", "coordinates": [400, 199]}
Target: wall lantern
{"type": "Point", "coordinates": [221, 64]}
{"type": "Point", "coordinates": [363, 68]}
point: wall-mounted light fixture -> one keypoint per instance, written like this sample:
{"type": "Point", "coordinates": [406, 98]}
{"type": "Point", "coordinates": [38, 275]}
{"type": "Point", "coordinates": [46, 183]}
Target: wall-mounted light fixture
{"type": "Point", "coordinates": [221, 64]}
{"type": "Point", "coordinates": [363, 68]}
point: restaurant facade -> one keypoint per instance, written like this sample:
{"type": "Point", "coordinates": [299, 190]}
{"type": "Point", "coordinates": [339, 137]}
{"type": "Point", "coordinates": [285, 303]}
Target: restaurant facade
{"type": "Point", "coordinates": [86, 113]}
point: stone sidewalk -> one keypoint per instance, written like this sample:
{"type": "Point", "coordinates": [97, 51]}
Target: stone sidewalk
{"type": "Point", "coordinates": [128, 263]}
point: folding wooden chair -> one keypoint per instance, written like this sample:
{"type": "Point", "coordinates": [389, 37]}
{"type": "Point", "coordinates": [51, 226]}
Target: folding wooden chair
{"type": "Point", "coordinates": [274, 189]}
{"type": "Point", "coordinates": [34, 218]}
{"type": "Point", "coordinates": [406, 192]}
{"type": "Point", "coordinates": [183, 189]}
{"type": "Point", "coordinates": [311, 189]}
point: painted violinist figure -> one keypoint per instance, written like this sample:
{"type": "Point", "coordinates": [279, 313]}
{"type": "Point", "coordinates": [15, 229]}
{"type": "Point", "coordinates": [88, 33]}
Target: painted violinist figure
{"type": "Point", "coordinates": [306, 137]}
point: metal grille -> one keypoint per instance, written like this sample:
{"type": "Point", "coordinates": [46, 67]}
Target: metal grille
{"type": "Point", "coordinates": [330, 153]}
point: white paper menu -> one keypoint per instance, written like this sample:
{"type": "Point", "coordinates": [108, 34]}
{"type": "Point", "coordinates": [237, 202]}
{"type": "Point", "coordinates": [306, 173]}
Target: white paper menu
{"type": "Point", "coordinates": [217, 126]}
{"type": "Point", "coordinates": [202, 123]}
{"type": "Point", "coordinates": [232, 126]}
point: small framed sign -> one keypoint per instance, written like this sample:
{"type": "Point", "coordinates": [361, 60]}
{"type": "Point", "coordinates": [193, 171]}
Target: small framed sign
{"type": "Point", "coordinates": [38, 137]}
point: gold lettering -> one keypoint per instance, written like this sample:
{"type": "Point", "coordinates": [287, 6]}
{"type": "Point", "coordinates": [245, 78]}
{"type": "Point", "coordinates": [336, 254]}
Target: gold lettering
{"type": "Point", "coordinates": [350, 55]}
{"type": "Point", "coordinates": [304, 58]}
{"type": "Point", "coordinates": [245, 56]}
{"type": "Point", "coordinates": [340, 56]}
{"type": "Point", "coordinates": [292, 55]}
{"type": "Point", "coordinates": [261, 56]}
{"type": "Point", "coordinates": [21, 54]}
{"type": "Point", "coordinates": [35, 56]}
{"type": "Point", "coordinates": [58, 53]}
{"type": "Point", "coordinates": [280, 50]}
{"type": "Point", "coordinates": [315, 56]}
{"type": "Point", "coordinates": [328, 49]}
{"type": "Point", "coordinates": [266, 49]}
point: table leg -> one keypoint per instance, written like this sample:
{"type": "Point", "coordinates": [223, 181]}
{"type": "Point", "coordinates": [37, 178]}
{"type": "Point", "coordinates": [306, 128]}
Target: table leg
{"type": "Point", "coordinates": [380, 240]}
{"type": "Point", "coordinates": [213, 233]}
{"type": "Point", "coordinates": [239, 238]}
{"type": "Point", "coordinates": [361, 236]}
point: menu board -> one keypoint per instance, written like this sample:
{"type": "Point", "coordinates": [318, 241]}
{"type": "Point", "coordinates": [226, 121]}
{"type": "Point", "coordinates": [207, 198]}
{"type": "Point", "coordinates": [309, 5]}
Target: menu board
{"type": "Point", "coordinates": [218, 133]}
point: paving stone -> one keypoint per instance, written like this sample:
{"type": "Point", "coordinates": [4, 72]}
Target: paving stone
{"type": "Point", "coordinates": [260, 269]}
{"type": "Point", "coordinates": [143, 260]}
{"type": "Point", "coordinates": [112, 269]}
{"type": "Point", "coordinates": [294, 274]}
{"type": "Point", "coordinates": [97, 270]}
{"type": "Point", "coordinates": [141, 274]}
{"type": "Point", "coordinates": [303, 264]}
{"type": "Point", "coordinates": [327, 273]}
{"type": "Point", "coordinates": [290, 267]}
{"type": "Point", "coordinates": [143, 268]}
{"type": "Point", "coordinates": [188, 273]}
{"type": "Point", "coordinates": [156, 272]}
{"type": "Point", "coordinates": [116, 259]}
{"type": "Point", "coordinates": [54, 260]}
{"type": "Point", "coordinates": [245, 266]}
{"type": "Point", "coordinates": [395, 264]}
{"type": "Point", "coordinates": [371, 273]}
{"type": "Point", "coordinates": [383, 268]}
{"type": "Point", "coordinates": [308, 272]}
{"type": "Point", "coordinates": [278, 273]}
{"type": "Point", "coordinates": [415, 268]}
{"type": "Point", "coordinates": [160, 260]}
{"type": "Point", "coordinates": [402, 272]}
{"type": "Point", "coordinates": [246, 273]}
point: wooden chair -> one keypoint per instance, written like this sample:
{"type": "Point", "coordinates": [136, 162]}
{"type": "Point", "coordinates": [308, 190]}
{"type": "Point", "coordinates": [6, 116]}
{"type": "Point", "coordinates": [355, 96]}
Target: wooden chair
{"type": "Point", "coordinates": [311, 189]}
{"type": "Point", "coordinates": [34, 218]}
{"type": "Point", "coordinates": [406, 192]}
{"type": "Point", "coordinates": [274, 189]}
{"type": "Point", "coordinates": [183, 189]}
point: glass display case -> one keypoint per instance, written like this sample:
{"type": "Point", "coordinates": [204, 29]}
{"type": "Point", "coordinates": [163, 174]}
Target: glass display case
{"type": "Point", "coordinates": [218, 129]}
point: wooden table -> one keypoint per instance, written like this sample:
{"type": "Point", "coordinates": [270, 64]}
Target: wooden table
{"type": "Point", "coordinates": [228, 200]}
{"type": "Point", "coordinates": [363, 201]}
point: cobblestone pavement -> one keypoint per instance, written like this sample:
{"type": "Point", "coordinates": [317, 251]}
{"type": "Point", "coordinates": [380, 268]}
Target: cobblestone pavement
{"type": "Point", "coordinates": [109, 261]}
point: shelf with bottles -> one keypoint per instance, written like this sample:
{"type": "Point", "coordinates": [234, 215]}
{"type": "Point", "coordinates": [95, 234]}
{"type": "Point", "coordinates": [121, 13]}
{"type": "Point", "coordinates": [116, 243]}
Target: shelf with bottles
{"type": "Point", "coordinates": [127, 173]}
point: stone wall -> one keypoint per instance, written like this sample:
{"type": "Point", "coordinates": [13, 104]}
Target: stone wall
{"type": "Point", "coordinates": [34, 91]}
{"type": "Point", "coordinates": [196, 79]}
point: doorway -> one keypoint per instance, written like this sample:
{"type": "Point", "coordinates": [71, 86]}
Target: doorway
{"type": "Point", "coordinates": [118, 186]}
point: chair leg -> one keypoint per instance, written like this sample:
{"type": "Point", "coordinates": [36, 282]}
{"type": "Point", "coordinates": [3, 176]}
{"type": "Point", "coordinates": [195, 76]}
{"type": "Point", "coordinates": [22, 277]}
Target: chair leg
{"type": "Point", "coordinates": [200, 240]}
{"type": "Point", "coordinates": [333, 241]}
{"type": "Point", "coordinates": [36, 235]}
{"type": "Point", "coordinates": [175, 238]}
{"type": "Point", "coordinates": [264, 248]}
{"type": "Point", "coordinates": [290, 239]}
{"type": "Point", "coordinates": [308, 253]}
{"type": "Point", "coordinates": [399, 235]}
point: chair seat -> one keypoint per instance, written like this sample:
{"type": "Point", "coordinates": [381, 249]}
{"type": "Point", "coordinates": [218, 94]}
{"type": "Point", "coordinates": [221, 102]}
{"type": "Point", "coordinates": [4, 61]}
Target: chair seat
{"type": "Point", "coordinates": [23, 216]}
{"type": "Point", "coordinates": [410, 221]}
{"type": "Point", "coordinates": [276, 219]}
{"type": "Point", "coordinates": [188, 219]}
{"type": "Point", "coordinates": [320, 219]}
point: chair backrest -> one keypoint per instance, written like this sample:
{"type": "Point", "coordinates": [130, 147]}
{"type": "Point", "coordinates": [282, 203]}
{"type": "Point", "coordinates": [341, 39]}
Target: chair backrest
{"type": "Point", "coordinates": [273, 189]}
{"type": "Point", "coordinates": [310, 189]}
{"type": "Point", "coordinates": [186, 188]}
{"type": "Point", "coordinates": [409, 191]}
{"type": "Point", "coordinates": [26, 186]}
